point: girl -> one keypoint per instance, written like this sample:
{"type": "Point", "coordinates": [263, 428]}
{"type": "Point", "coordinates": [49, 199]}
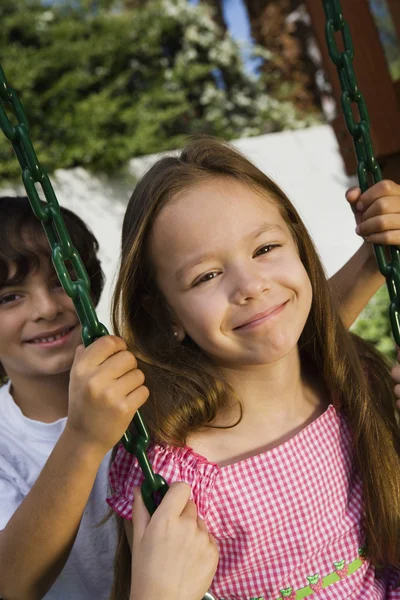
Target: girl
{"type": "Point", "coordinates": [282, 422]}
{"type": "Point", "coordinates": [53, 469]}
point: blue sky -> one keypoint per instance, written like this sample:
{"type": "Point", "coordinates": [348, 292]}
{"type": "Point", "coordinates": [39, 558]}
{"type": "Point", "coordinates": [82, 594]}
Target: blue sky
{"type": "Point", "coordinates": [236, 18]}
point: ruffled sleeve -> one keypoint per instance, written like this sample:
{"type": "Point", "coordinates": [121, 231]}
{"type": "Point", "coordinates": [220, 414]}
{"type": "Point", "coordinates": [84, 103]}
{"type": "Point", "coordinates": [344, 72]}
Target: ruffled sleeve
{"type": "Point", "coordinates": [174, 464]}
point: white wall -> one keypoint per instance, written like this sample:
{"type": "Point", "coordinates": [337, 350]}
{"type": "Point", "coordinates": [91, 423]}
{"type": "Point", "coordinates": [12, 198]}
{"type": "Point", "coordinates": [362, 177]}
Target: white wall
{"type": "Point", "coordinates": [305, 163]}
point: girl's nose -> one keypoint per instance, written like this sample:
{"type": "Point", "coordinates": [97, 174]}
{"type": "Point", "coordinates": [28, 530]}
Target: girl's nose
{"type": "Point", "coordinates": [45, 305]}
{"type": "Point", "coordinates": [249, 285]}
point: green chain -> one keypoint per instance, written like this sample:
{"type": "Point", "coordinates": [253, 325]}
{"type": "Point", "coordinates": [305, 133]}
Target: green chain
{"type": "Point", "coordinates": [154, 486]}
{"type": "Point", "coordinates": [359, 130]}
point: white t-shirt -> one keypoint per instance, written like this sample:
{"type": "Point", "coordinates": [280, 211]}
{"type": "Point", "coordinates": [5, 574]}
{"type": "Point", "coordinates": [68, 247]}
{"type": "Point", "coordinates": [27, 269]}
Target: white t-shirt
{"type": "Point", "coordinates": [25, 446]}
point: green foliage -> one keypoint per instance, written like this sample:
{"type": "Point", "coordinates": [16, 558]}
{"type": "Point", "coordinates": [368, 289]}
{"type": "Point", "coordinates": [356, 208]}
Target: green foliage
{"type": "Point", "coordinates": [388, 35]}
{"type": "Point", "coordinates": [102, 85]}
{"type": "Point", "coordinates": [374, 324]}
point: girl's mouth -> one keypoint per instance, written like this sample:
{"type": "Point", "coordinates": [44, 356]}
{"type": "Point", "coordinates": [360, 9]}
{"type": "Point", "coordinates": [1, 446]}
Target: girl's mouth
{"type": "Point", "coordinates": [262, 318]}
{"type": "Point", "coordinates": [55, 340]}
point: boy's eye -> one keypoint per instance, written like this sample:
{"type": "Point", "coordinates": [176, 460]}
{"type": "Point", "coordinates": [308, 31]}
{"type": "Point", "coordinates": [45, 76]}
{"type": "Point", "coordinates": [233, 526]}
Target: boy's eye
{"type": "Point", "coordinates": [8, 298]}
{"type": "Point", "coordinates": [206, 277]}
{"type": "Point", "coordinates": [56, 283]}
{"type": "Point", "coordinates": [265, 249]}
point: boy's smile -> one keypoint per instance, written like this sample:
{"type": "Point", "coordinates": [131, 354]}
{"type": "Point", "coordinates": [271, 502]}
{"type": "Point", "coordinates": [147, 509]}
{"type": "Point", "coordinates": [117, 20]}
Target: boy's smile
{"type": "Point", "coordinates": [52, 339]}
{"type": "Point", "coordinates": [39, 326]}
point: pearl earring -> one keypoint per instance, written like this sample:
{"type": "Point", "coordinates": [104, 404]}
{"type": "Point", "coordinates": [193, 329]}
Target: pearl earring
{"type": "Point", "coordinates": [176, 335]}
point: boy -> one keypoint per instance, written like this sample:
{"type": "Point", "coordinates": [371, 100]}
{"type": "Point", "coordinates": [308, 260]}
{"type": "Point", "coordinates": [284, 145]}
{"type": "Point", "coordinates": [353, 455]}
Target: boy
{"type": "Point", "coordinates": [51, 528]}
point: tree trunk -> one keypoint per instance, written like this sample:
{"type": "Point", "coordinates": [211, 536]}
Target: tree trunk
{"type": "Point", "coordinates": [283, 27]}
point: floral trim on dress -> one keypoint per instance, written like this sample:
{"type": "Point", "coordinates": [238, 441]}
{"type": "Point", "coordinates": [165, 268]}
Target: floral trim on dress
{"type": "Point", "coordinates": [316, 583]}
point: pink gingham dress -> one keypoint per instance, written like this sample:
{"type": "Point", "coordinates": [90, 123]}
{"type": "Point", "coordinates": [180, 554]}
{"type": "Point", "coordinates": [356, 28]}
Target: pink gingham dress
{"type": "Point", "coordinates": [287, 521]}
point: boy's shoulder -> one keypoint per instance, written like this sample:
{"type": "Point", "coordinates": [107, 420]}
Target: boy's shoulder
{"type": "Point", "coordinates": [25, 445]}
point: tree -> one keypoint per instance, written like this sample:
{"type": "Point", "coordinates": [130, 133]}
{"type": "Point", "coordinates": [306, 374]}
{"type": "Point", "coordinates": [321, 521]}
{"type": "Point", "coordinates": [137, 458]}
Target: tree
{"type": "Point", "coordinates": [283, 27]}
{"type": "Point", "coordinates": [102, 86]}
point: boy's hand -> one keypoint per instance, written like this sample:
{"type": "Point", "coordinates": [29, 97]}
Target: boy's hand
{"type": "Point", "coordinates": [173, 555]}
{"type": "Point", "coordinates": [377, 212]}
{"type": "Point", "coordinates": [106, 389]}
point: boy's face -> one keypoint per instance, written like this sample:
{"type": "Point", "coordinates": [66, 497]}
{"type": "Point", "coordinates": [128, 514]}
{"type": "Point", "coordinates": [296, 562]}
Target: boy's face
{"type": "Point", "coordinates": [39, 328]}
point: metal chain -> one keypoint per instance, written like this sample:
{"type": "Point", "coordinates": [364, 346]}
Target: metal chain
{"type": "Point", "coordinates": [154, 486]}
{"type": "Point", "coordinates": [359, 130]}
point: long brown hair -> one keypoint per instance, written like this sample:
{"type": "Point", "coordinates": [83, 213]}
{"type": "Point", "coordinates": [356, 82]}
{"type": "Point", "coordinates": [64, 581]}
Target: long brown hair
{"type": "Point", "coordinates": [187, 390]}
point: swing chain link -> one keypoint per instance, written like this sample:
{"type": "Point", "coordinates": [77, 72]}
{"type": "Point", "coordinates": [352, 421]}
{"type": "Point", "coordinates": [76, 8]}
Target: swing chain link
{"type": "Point", "coordinates": [359, 130]}
{"type": "Point", "coordinates": [64, 253]}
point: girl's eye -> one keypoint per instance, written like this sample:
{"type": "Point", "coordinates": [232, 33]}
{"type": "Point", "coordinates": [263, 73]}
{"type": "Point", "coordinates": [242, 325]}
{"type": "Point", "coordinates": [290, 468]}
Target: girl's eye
{"type": "Point", "coordinates": [206, 277]}
{"type": "Point", "coordinates": [265, 249]}
{"type": "Point", "coordinates": [8, 298]}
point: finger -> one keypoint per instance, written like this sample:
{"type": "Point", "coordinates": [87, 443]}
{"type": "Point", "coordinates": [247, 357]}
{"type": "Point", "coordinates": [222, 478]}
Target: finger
{"type": "Point", "coordinates": [118, 365]}
{"type": "Point", "coordinates": [395, 373]}
{"type": "Point", "coordinates": [379, 224]}
{"type": "Point", "coordinates": [79, 352]}
{"type": "Point", "coordinates": [379, 190]}
{"type": "Point", "coordinates": [129, 382]}
{"type": "Point", "coordinates": [190, 510]}
{"type": "Point", "coordinates": [201, 525]}
{"type": "Point", "coordinates": [127, 393]}
{"type": "Point", "coordinates": [102, 349]}
{"type": "Point", "coordinates": [387, 238]}
{"type": "Point", "coordinates": [140, 517]}
{"type": "Point", "coordinates": [136, 399]}
{"type": "Point", "coordinates": [383, 206]}
{"type": "Point", "coordinates": [353, 194]}
{"type": "Point", "coordinates": [174, 501]}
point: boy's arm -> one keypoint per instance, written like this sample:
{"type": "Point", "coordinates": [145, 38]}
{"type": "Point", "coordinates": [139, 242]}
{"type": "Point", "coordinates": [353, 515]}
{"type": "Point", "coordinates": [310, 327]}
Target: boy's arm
{"type": "Point", "coordinates": [35, 544]}
{"type": "Point", "coordinates": [356, 282]}
{"type": "Point", "coordinates": [106, 389]}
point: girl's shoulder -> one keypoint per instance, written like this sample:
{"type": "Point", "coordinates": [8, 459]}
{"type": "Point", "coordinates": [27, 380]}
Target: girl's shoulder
{"type": "Point", "coordinates": [171, 462]}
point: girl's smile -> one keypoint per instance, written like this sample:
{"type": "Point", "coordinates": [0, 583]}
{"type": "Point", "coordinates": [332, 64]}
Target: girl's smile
{"type": "Point", "coordinates": [261, 318]}
{"type": "Point", "coordinates": [246, 300]}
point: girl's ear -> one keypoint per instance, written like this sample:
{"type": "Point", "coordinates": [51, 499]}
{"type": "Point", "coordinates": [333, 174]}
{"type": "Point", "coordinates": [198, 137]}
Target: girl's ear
{"type": "Point", "coordinates": [178, 333]}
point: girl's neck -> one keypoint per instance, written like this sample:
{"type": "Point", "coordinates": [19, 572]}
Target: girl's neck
{"type": "Point", "coordinates": [277, 401]}
{"type": "Point", "coordinates": [267, 389]}
{"type": "Point", "coordinates": [42, 399]}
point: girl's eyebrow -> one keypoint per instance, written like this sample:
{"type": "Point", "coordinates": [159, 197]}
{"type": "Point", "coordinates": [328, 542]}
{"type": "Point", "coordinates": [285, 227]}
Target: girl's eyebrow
{"type": "Point", "coordinates": [197, 260]}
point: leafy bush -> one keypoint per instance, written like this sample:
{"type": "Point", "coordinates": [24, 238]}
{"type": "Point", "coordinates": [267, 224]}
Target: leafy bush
{"type": "Point", "coordinates": [374, 324]}
{"type": "Point", "coordinates": [100, 87]}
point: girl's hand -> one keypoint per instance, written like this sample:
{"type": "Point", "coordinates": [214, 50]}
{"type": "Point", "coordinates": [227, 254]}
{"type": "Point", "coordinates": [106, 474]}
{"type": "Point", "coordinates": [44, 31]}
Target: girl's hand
{"type": "Point", "coordinates": [377, 212]}
{"type": "Point", "coordinates": [106, 389]}
{"type": "Point", "coordinates": [173, 555]}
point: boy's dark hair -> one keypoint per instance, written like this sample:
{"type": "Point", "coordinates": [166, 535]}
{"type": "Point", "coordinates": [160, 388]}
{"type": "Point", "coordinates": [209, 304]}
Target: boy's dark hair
{"type": "Point", "coordinates": [23, 243]}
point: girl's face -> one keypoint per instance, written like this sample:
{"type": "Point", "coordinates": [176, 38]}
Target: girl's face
{"type": "Point", "coordinates": [39, 327]}
{"type": "Point", "coordinates": [229, 269]}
